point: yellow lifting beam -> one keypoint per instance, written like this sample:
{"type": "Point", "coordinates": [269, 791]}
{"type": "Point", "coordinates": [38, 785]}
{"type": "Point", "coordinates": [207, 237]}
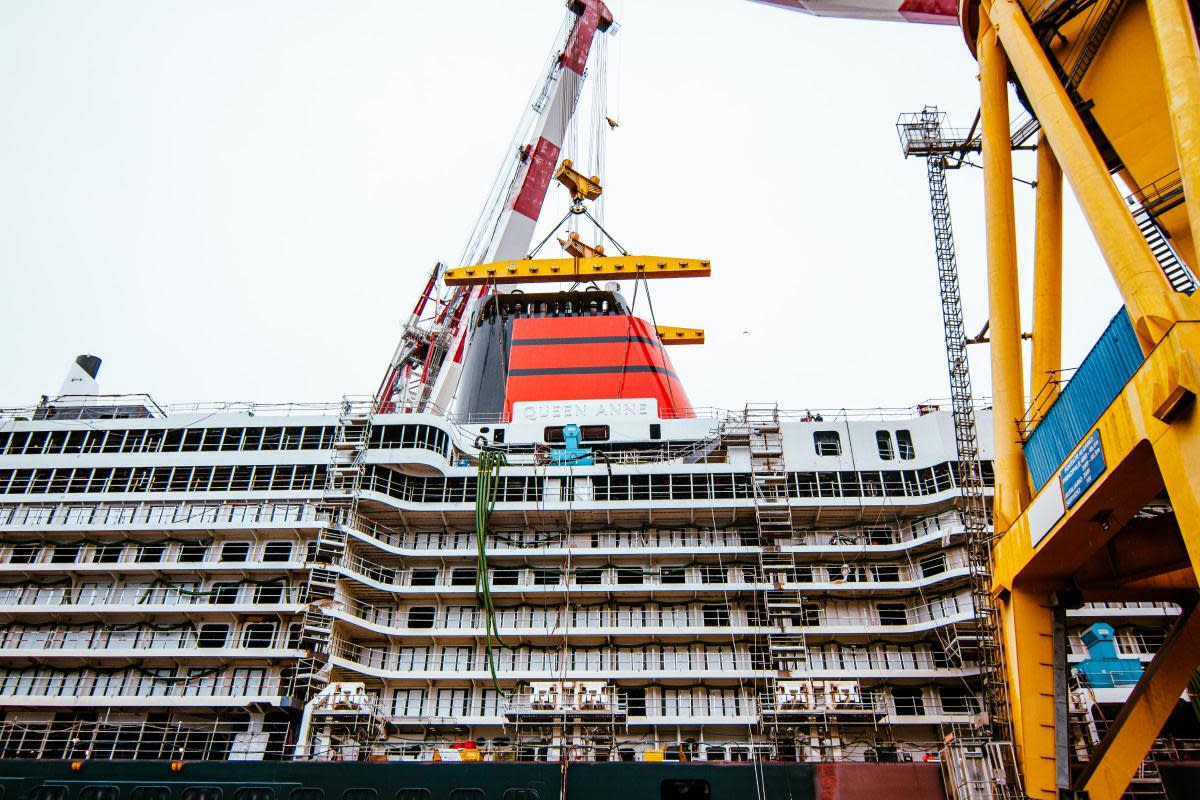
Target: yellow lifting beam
{"type": "Point", "coordinates": [672, 335]}
{"type": "Point", "coordinates": [579, 185]}
{"type": "Point", "coordinates": [609, 268]}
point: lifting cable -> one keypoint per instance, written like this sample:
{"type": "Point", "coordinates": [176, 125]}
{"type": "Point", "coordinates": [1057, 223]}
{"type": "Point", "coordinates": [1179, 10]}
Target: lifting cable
{"type": "Point", "coordinates": [486, 490]}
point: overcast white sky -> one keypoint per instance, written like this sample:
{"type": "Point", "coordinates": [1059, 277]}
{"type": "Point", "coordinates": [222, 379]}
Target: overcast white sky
{"type": "Point", "coordinates": [241, 200]}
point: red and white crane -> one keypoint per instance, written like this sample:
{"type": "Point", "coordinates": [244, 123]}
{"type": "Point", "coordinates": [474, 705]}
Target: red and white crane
{"type": "Point", "coordinates": [425, 367]}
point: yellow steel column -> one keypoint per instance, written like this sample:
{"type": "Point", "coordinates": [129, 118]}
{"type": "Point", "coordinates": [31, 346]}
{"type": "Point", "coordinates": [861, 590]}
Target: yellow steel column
{"type": "Point", "coordinates": [1175, 35]}
{"type": "Point", "coordinates": [1004, 310]}
{"type": "Point", "coordinates": [1152, 303]}
{"type": "Point", "coordinates": [1047, 277]}
{"type": "Point", "coordinates": [1141, 719]}
{"type": "Point", "coordinates": [1029, 657]}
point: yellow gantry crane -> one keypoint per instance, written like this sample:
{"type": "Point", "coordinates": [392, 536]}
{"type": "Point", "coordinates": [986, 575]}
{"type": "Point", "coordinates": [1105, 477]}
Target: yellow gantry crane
{"type": "Point", "coordinates": [1117, 93]}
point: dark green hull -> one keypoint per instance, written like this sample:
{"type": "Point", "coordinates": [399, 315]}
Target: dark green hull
{"type": "Point", "coordinates": [399, 780]}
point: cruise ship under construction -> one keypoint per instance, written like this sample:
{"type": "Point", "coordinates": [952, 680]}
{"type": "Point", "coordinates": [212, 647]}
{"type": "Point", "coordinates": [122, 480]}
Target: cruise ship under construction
{"type": "Point", "coordinates": [530, 567]}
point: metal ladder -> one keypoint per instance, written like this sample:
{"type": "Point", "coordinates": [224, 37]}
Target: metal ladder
{"type": "Point", "coordinates": [928, 126]}
{"type": "Point", "coordinates": [787, 651]}
{"type": "Point", "coordinates": [343, 481]}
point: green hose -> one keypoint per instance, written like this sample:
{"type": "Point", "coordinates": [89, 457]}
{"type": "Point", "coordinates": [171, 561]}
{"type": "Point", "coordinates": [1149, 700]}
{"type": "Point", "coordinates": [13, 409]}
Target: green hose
{"type": "Point", "coordinates": [486, 489]}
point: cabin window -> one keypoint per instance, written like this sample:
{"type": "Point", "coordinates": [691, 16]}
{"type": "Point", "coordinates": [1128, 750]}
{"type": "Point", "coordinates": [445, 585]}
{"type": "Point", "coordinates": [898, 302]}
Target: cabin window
{"type": "Point", "coordinates": [150, 793]}
{"type": "Point", "coordinates": [892, 614]}
{"type": "Point", "coordinates": [713, 573]}
{"type": "Point", "coordinates": [212, 635]}
{"type": "Point", "coordinates": [629, 575]}
{"type": "Point", "coordinates": [277, 551]}
{"type": "Point", "coordinates": [467, 794]}
{"type": "Point", "coordinates": [827, 443]}
{"type": "Point", "coordinates": [908, 700]}
{"type": "Point", "coordinates": [65, 554]}
{"type": "Point", "coordinates": [547, 577]}
{"type": "Point", "coordinates": [360, 794]}
{"type": "Point", "coordinates": [202, 793]}
{"type": "Point", "coordinates": [418, 793]}
{"type": "Point", "coordinates": [674, 574]}
{"type": "Point", "coordinates": [506, 577]}
{"type": "Point", "coordinates": [421, 616]}
{"type": "Point", "coordinates": [904, 443]}
{"type": "Point", "coordinates": [254, 793]}
{"type": "Point", "coordinates": [235, 551]}
{"type": "Point", "coordinates": [257, 634]}
{"type": "Point", "coordinates": [99, 793]}
{"type": "Point", "coordinates": [933, 565]}
{"type": "Point", "coordinates": [462, 576]}
{"type": "Point", "coordinates": [689, 789]}
{"type": "Point", "coordinates": [589, 577]}
{"type": "Point", "coordinates": [520, 794]}
{"type": "Point", "coordinates": [193, 552]}
{"type": "Point", "coordinates": [883, 441]}
{"type": "Point", "coordinates": [307, 793]}
{"type": "Point", "coordinates": [424, 577]}
{"type": "Point", "coordinates": [48, 793]}
{"type": "Point", "coordinates": [716, 616]}
{"type": "Point", "coordinates": [593, 433]}
{"type": "Point", "coordinates": [958, 700]}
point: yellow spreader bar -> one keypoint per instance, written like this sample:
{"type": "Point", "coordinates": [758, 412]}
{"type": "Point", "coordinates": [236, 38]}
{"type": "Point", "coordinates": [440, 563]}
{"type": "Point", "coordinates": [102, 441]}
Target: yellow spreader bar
{"type": "Point", "coordinates": [671, 335]}
{"type": "Point", "coordinates": [544, 270]}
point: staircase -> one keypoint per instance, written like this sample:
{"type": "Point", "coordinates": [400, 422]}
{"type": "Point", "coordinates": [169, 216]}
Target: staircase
{"type": "Point", "coordinates": [1179, 276]}
{"type": "Point", "coordinates": [787, 651]}
{"type": "Point", "coordinates": [343, 481]}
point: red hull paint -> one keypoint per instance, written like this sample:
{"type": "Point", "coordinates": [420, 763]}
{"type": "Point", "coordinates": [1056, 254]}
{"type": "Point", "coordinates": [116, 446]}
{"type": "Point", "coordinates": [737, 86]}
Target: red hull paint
{"type": "Point", "coordinates": [591, 358]}
{"type": "Point", "coordinates": [857, 781]}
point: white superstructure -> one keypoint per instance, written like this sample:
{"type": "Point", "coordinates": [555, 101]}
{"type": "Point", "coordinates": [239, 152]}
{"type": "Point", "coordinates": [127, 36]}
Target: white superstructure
{"type": "Point", "coordinates": [258, 582]}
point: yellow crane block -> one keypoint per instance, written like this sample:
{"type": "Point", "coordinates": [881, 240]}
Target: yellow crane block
{"type": "Point", "coordinates": [672, 335]}
{"type": "Point", "coordinates": [610, 268]}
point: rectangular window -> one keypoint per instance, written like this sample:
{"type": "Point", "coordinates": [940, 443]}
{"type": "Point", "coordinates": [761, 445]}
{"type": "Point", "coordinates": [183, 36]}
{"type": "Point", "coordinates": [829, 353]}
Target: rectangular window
{"type": "Point", "coordinates": [713, 573]}
{"type": "Point", "coordinates": [451, 703]}
{"type": "Point", "coordinates": [212, 635]}
{"type": "Point", "coordinates": [892, 614]}
{"type": "Point", "coordinates": [933, 565]}
{"type": "Point", "coordinates": [421, 616]}
{"type": "Point", "coordinates": [589, 577]}
{"type": "Point", "coordinates": [424, 577]}
{"type": "Point", "coordinates": [827, 443]}
{"type": "Point", "coordinates": [258, 634]}
{"type": "Point", "coordinates": [883, 442]}
{"type": "Point", "coordinates": [193, 552]}
{"type": "Point", "coordinates": [673, 574]}
{"type": "Point", "coordinates": [506, 577]}
{"type": "Point", "coordinates": [408, 702]}
{"type": "Point", "coordinates": [547, 577]}
{"type": "Point", "coordinates": [277, 551]}
{"type": "Point", "coordinates": [462, 576]}
{"type": "Point", "coordinates": [716, 616]}
{"type": "Point", "coordinates": [629, 575]}
{"type": "Point", "coordinates": [235, 551]}
{"type": "Point", "coordinates": [908, 700]}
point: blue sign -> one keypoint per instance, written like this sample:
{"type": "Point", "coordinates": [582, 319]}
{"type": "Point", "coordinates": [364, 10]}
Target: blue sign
{"type": "Point", "coordinates": [1082, 469]}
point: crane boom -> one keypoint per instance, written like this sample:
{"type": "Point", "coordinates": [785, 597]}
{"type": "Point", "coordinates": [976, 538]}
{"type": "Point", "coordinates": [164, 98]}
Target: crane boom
{"type": "Point", "coordinates": [436, 355]}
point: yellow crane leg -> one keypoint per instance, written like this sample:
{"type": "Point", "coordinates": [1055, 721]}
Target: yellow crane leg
{"type": "Point", "coordinates": [1152, 304]}
{"type": "Point", "coordinates": [1008, 379]}
{"type": "Point", "coordinates": [548, 270]}
{"type": "Point", "coordinates": [1175, 37]}
{"type": "Point", "coordinates": [1047, 278]}
{"type": "Point", "coordinates": [1157, 693]}
{"type": "Point", "coordinates": [1029, 656]}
